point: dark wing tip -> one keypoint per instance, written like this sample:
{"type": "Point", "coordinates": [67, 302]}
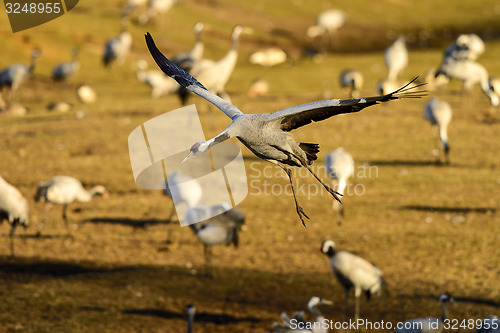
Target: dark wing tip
{"type": "Point", "coordinates": [408, 90]}
{"type": "Point", "coordinates": [169, 68]}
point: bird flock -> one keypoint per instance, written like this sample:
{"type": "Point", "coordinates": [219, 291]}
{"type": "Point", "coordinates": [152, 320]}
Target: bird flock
{"type": "Point", "coordinates": [266, 134]}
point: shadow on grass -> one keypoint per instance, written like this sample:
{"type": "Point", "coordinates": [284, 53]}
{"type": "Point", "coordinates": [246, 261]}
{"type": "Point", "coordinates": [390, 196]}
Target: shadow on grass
{"type": "Point", "coordinates": [462, 210]}
{"type": "Point", "coordinates": [134, 223]}
{"type": "Point", "coordinates": [409, 163]}
{"type": "Point", "coordinates": [19, 266]}
{"type": "Point", "coordinates": [200, 316]}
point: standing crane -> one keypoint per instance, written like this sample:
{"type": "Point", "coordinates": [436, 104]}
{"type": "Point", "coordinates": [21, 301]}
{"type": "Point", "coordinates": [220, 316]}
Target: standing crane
{"type": "Point", "coordinates": [429, 324]}
{"type": "Point", "coordinates": [63, 190]}
{"type": "Point", "coordinates": [118, 48]}
{"type": "Point", "coordinates": [327, 22]}
{"type": "Point", "coordinates": [160, 84]}
{"type": "Point", "coordinates": [222, 228]}
{"type": "Point", "coordinates": [66, 70]}
{"type": "Point", "coordinates": [470, 73]}
{"type": "Point", "coordinates": [353, 79]}
{"type": "Point", "coordinates": [13, 208]}
{"type": "Point", "coordinates": [340, 167]}
{"type": "Point", "coordinates": [396, 58]}
{"type": "Point", "coordinates": [353, 272]}
{"type": "Point", "coordinates": [216, 75]}
{"type": "Point", "coordinates": [188, 59]}
{"type": "Point", "coordinates": [439, 113]}
{"type": "Point", "coordinates": [489, 325]}
{"type": "Point", "coordinates": [190, 312]}
{"type": "Point", "coordinates": [465, 47]}
{"type": "Point", "coordinates": [14, 75]}
{"type": "Point", "coordinates": [267, 134]}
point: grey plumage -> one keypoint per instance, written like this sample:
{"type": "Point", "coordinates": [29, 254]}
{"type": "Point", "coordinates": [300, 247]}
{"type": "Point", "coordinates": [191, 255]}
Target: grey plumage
{"type": "Point", "coordinates": [352, 79]}
{"type": "Point", "coordinates": [470, 73]}
{"type": "Point", "coordinates": [63, 190]}
{"type": "Point", "coordinates": [298, 324]}
{"type": "Point", "coordinates": [439, 113]}
{"type": "Point", "coordinates": [117, 49]}
{"type": "Point", "coordinates": [66, 70]}
{"type": "Point", "coordinates": [339, 166]}
{"type": "Point", "coordinates": [465, 47]}
{"type": "Point", "coordinates": [396, 58]}
{"type": "Point", "coordinates": [222, 228]}
{"type": "Point", "coordinates": [13, 208]}
{"type": "Point", "coordinates": [428, 325]}
{"type": "Point", "coordinates": [190, 312]}
{"type": "Point", "coordinates": [14, 75]}
{"type": "Point", "coordinates": [267, 135]}
{"type": "Point", "coordinates": [353, 272]}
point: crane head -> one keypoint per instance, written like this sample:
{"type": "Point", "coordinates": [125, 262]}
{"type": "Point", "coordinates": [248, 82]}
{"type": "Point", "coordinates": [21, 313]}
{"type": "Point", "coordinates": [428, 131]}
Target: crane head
{"type": "Point", "coordinates": [197, 149]}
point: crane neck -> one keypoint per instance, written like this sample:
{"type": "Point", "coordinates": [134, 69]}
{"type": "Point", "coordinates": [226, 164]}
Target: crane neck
{"type": "Point", "coordinates": [190, 323]}
{"type": "Point", "coordinates": [445, 311]}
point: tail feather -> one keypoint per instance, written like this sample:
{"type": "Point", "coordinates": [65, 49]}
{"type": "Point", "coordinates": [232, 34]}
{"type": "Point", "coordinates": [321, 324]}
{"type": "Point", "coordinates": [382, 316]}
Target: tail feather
{"type": "Point", "coordinates": [311, 150]}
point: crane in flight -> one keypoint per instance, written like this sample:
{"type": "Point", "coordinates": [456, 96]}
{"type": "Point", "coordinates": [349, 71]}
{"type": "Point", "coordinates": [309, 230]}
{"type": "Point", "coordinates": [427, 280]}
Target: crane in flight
{"type": "Point", "coordinates": [267, 135]}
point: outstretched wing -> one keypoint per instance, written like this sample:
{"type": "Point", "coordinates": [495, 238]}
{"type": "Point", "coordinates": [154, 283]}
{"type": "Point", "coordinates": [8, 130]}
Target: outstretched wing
{"type": "Point", "coordinates": [189, 82]}
{"type": "Point", "coordinates": [300, 115]}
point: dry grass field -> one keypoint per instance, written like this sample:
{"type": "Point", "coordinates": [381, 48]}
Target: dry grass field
{"type": "Point", "coordinates": [431, 228]}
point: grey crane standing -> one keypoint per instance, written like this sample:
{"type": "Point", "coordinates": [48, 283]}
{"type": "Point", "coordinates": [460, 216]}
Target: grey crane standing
{"type": "Point", "coordinates": [190, 312]}
{"type": "Point", "coordinates": [215, 75]}
{"type": "Point", "coordinates": [117, 48]}
{"type": "Point", "coordinates": [222, 228]}
{"type": "Point", "coordinates": [353, 272]}
{"type": "Point", "coordinates": [396, 58]}
{"type": "Point", "coordinates": [439, 113]}
{"type": "Point", "coordinates": [340, 167]}
{"type": "Point", "coordinates": [430, 324]}
{"type": "Point", "coordinates": [188, 59]}
{"type": "Point", "coordinates": [66, 70]}
{"type": "Point", "coordinates": [13, 208]}
{"type": "Point", "coordinates": [353, 79]}
{"type": "Point", "coordinates": [14, 75]}
{"type": "Point", "coordinates": [161, 85]}
{"type": "Point", "coordinates": [470, 73]}
{"type": "Point", "coordinates": [267, 135]}
{"type": "Point", "coordinates": [63, 190]}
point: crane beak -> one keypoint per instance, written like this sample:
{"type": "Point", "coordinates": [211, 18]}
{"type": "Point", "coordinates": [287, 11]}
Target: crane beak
{"type": "Point", "coordinates": [189, 156]}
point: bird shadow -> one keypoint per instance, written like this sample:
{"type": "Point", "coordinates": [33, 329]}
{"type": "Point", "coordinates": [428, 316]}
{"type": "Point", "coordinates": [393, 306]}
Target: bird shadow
{"type": "Point", "coordinates": [463, 210]}
{"type": "Point", "coordinates": [134, 223]}
{"type": "Point", "coordinates": [55, 268]}
{"type": "Point", "coordinates": [203, 317]}
{"type": "Point", "coordinates": [35, 236]}
{"type": "Point", "coordinates": [409, 163]}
